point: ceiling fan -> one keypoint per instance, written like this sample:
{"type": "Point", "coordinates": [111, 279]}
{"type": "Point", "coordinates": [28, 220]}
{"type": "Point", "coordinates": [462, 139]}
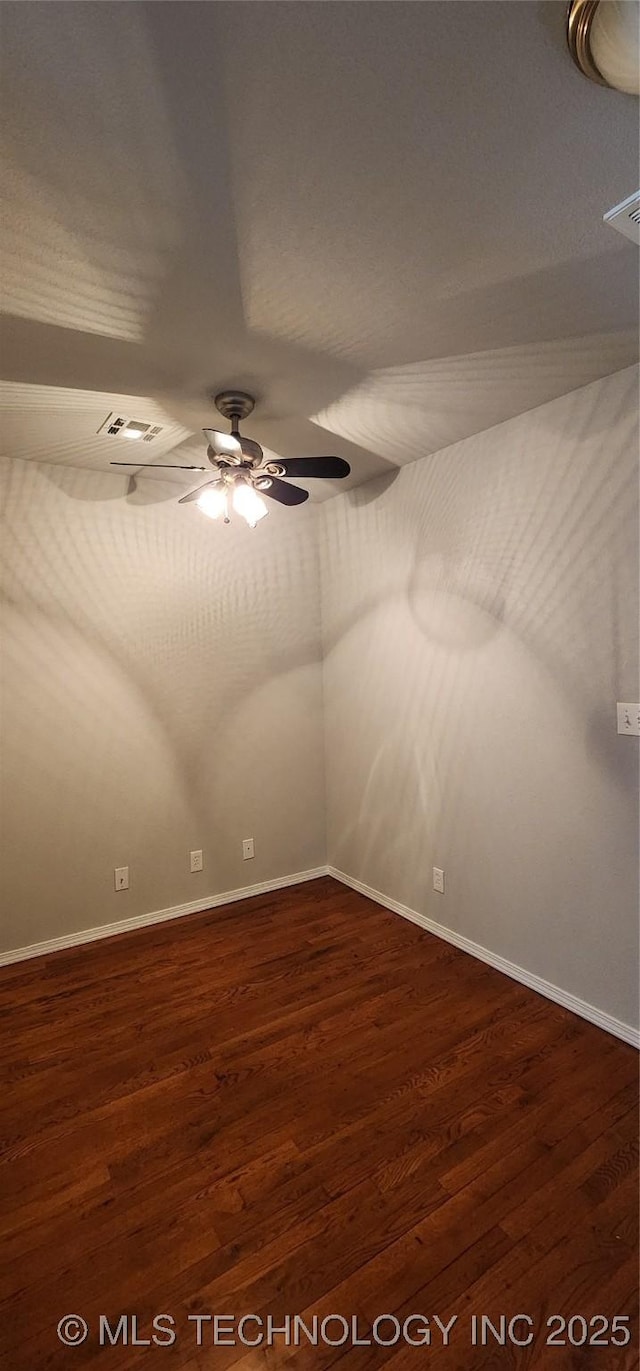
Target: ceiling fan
{"type": "Point", "coordinates": [242, 475]}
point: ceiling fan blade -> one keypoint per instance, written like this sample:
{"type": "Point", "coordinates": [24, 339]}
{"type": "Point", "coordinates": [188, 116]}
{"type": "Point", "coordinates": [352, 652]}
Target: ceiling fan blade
{"type": "Point", "coordinates": [193, 494]}
{"type": "Point", "coordinates": [329, 468]}
{"type": "Point", "coordinates": [251, 449]}
{"type": "Point", "coordinates": [222, 444]}
{"type": "Point", "coordinates": [159, 466]}
{"type": "Point", "coordinates": [285, 494]}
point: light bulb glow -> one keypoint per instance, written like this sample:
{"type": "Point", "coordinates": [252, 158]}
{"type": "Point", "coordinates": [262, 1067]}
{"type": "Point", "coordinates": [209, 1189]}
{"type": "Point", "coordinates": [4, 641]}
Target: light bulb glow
{"type": "Point", "coordinates": [213, 502]}
{"type": "Point", "coordinates": [248, 503]}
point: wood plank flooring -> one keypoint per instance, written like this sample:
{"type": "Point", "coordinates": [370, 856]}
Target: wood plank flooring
{"type": "Point", "coordinates": [301, 1104]}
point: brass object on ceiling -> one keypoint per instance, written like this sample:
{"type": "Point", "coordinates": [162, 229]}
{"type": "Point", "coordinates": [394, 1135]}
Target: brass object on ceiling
{"type": "Point", "coordinates": [580, 17]}
{"type": "Point", "coordinates": [603, 37]}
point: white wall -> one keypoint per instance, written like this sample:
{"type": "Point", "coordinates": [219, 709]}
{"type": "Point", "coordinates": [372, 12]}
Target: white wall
{"type": "Point", "coordinates": [161, 692]}
{"type": "Point", "coordinates": [480, 622]}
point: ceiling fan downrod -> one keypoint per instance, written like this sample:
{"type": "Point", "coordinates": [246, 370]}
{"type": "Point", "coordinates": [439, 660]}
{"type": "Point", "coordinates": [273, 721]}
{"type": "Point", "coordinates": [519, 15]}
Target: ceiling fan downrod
{"type": "Point", "coordinates": [235, 405]}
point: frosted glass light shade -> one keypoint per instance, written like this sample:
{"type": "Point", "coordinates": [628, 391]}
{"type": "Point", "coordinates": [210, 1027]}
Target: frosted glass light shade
{"type": "Point", "coordinates": [604, 41]}
{"type": "Point", "coordinates": [213, 502]}
{"type": "Point", "coordinates": [615, 43]}
{"type": "Point", "coordinates": [248, 503]}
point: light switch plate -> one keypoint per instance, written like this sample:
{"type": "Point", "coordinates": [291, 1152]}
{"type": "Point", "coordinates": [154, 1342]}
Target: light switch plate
{"type": "Point", "coordinates": [121, 878]}
{"type": "Point", "coordinates": [629, 719]}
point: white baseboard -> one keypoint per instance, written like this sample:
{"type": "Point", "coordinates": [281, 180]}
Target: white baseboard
{"type": "Point", "coordinates": [585, 1010]}
{"type": "Point", "coordinates": [518, 973]}
{"type": "Point", "coordinates": [158, 916]}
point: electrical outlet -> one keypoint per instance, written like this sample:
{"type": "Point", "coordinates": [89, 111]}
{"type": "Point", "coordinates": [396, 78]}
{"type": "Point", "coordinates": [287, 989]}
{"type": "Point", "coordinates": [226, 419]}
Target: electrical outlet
{"type": "Point", "coordinates": [629, 719]}
{"type": "Point", "coordinates": [121, 878]}
{"type": "Point", "coordinates": [438, 880]}
{"type": "Point", "coordinates": [247, 849]}
{"type": "Point", "coordinates": [196, 861]}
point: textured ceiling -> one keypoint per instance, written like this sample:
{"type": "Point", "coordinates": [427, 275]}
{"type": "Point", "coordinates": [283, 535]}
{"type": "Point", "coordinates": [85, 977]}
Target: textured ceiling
{"type": "Point", "coordinates": [383, 219]}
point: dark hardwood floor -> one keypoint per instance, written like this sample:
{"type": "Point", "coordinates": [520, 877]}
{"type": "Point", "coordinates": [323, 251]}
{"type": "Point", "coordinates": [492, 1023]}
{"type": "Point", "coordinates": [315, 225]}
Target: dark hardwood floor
{"type": "Point", "coordinates": [302, 1104]}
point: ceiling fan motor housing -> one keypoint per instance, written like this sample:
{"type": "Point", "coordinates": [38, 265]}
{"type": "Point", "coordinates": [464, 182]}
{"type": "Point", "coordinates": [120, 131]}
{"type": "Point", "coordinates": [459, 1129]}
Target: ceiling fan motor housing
{"type": "Point", "coordinates": [235, 404]}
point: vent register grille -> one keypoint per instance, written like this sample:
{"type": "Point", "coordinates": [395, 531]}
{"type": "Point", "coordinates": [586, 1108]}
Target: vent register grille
{"type": "Point", "coordinates": [625, 217]}
{"type": "Point", "coordinates": [119, 426]}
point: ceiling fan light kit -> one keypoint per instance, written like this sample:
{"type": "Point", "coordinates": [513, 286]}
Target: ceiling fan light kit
{"type": "Point", "coordinates": [242, 475]}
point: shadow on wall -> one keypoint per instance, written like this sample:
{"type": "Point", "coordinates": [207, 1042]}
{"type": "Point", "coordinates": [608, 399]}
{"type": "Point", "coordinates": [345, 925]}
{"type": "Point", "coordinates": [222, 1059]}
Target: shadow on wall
{"type": "Point", "coordinates": [166, 629]}
{"type": "Point", "coordinates": [372, 491]}
{"type": "Point", "coordinates": [492, 587]}
{"type": "Point", "coordinates": [135, 490]}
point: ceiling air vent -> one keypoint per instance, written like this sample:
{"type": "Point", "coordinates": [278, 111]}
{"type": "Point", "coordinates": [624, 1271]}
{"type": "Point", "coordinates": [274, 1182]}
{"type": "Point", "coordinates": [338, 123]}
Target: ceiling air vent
{"type": "Point", "coordinates": [626, 218]}
{"type": "Point", "coordinates": [119, 426]}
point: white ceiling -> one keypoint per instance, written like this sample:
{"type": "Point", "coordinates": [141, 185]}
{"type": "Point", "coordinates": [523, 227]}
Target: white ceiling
{"type": "Point", "coordinates": [384, 219]}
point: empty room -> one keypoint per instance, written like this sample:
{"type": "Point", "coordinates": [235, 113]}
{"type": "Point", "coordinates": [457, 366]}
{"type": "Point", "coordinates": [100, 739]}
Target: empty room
{"type": "Point", "coordinates": [319, 699]}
